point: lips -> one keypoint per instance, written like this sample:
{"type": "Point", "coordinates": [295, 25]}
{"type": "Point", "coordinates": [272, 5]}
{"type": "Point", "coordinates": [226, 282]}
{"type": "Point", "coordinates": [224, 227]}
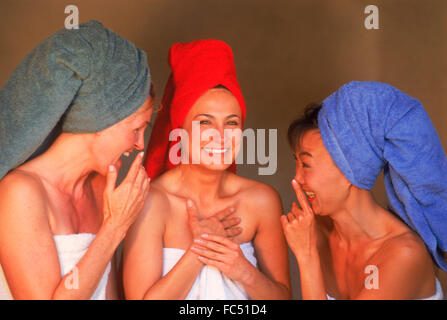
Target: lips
{"type": "Point", "coordinates": [310, 195]}
{"type": "Point", "coordinates": [118, 163]}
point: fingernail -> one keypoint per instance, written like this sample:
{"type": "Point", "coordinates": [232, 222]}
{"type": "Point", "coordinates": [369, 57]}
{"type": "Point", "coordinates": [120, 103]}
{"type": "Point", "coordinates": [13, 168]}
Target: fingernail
{"type": "Point", "coordinates": [232, 209]}
{"type": "Point", "coordinates": [294, 181]}
{"type": "Point", "coordinates": [189, 203]}
{"type": "Point", "coordinates": [141, 154]}
{"type": "Point", "coordinates": [204, 235]}
{"type": "Point", "coordinates": [148, 179]}
{"type": "Point", "coordinates": [198, 241]}
{"type": "Point", "coordinates": [111, 168]}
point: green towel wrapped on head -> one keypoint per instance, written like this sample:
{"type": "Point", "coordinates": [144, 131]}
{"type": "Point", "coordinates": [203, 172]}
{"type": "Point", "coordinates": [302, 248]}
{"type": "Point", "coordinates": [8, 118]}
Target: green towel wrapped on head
{"type": "Point", "coordinates": [81, 80]}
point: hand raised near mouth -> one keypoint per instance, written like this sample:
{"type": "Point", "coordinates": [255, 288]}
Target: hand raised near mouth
{"type": "Point", "coordinates": [299, 225]}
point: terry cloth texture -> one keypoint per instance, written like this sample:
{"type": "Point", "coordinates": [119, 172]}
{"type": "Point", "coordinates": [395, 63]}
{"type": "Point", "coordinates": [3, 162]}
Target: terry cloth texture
{"type": "Point", "coordinates": [367, 126]}
{"type": "Point", "coordinates": [196, 67]}
{"type": "Point", "coordinates": [80, 81]}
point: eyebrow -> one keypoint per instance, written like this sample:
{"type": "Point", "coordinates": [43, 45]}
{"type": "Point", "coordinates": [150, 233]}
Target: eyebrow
{"type": "Point", "coordinates": [304, 153]}
{"type": "Point", "coordinates": [211, 116]}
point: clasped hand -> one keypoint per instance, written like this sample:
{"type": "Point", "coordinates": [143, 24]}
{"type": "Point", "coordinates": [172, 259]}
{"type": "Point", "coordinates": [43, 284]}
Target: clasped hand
{"type": "Point", "coordinates": [214, 244]}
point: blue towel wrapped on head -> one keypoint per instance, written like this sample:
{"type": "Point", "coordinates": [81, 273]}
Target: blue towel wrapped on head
{"type": "Point", "coordinates": [367, 126]}
{"type": "Point", "coordinates": [81, 80]}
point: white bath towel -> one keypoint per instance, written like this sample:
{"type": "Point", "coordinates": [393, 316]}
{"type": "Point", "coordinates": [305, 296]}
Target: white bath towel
{"type": "Point", "coordinates": [70, 249]}
{"type": "Point", "coordinates": [210, 284]}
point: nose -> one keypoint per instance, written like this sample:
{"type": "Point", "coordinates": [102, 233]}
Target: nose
{"type": "Point", "coordinates": [216, 134]}
{"type": "Point", "coordinates": [139, 143]}
{"type": "Point", "coordinates": [299, 173]}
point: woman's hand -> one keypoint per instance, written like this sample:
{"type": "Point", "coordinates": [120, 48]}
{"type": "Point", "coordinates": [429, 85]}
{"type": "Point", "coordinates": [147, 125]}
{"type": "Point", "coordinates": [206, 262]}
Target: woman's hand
{"type": "Point", "coordinates": [299, 226]}
{"type": "Point", "coordinates": [220, 223]}
{"type": "Point", "coordinates": [224, 254]}
{"type": "Point", "coordinates": [123, 204]}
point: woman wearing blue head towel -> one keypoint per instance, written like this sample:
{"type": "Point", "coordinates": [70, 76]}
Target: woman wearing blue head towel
{"type": "Point", "coordinates": [85, 93]}
{"type": "Point", "coordinates": [346, 245]}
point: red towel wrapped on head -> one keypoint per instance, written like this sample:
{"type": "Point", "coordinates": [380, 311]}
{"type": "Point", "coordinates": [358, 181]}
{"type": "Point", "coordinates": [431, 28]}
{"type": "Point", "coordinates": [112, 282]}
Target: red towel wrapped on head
{"type": "Point", "coordinates": [196, 67]}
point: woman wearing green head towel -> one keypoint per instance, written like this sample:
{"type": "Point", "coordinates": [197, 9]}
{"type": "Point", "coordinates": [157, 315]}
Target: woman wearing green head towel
{"type": "Point", "coordinates": [85, 93]}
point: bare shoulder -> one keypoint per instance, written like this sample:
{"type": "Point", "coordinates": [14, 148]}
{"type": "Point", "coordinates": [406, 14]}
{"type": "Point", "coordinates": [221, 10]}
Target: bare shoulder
{"type": "Point", "coordinates": [157, 199]}
{"type": "Point", "coordinates": [155, 208]}
{"type": "Point", "coordinates": [151, 221]}
{"type": "Point", "coordinates": [258, 195]}
{"type": "Point", "coordinates": [21, 188]}
{"type": "Point", "coordinates": [23, 201]}
{"type": "Point", "coordinates": [407, 249]}
{"type": "Point", "coordinates": [18, 180]}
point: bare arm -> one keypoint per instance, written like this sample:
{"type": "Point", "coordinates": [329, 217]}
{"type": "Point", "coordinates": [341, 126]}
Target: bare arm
{"type": "Point", "coordinates": [26, 237]}
{"type": "Point", "coordinates": [143, 257]}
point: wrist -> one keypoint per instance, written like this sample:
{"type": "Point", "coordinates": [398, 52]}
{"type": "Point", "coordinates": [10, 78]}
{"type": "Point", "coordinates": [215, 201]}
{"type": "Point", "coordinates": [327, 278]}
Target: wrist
{"type": "Point", "coordinates": [306, 255]}
{"type": "Point", "coordinates": [114, 231]}
{"type": "Point", "coordinates": [193, 256]}
{"type": "Point", "coordinates": [248, 277]}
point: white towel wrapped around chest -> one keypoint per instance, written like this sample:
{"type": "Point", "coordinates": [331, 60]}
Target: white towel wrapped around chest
{"type": "Point", "coordinates": [70, 249]}
{"type": "Point", "coordinates": [210, 284]}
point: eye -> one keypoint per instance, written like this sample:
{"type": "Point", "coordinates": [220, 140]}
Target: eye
{"type": "Point", "coordinates": [205, 122]}
{"type": "Point", "coordinates": [139, 129]}
{"type": "Point", "coordinates": [233, 123]}
{"type": "Point", "coordinates": [305, 165]}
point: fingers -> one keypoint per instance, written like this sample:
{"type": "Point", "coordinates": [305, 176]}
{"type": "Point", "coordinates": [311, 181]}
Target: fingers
{"type": "Point", "coordinates": [290, 217]}
{"type": "Point", "coordinates": [146, 188]}
{"type": "Point", "coordinates": [233, 232]}
{"type": "Point", "coordinates": [135, 168]}
{"type": "Point", "coordinates": [221, 240]}
{"type": "Point", "coordinates": [296, 212]}
{"type": "Point", "coordinates": [210, 262]}
{"type": "Point", "coordinates": [231, 222]}
{"type": "Point", "coordinates": [111, 179]}
{"type": "Point", "coordinates": [224, 213]}
{"type": "Point", "coordinates": [301, 198]}
{"type": "Point", "coordinates": [212, 246]}
{"type": "Point", "coordinates": [191, 209]}
{"type": "Point", "coordinates": [284, 222]}
{"type": "Point", "coordinates": [140, 180]}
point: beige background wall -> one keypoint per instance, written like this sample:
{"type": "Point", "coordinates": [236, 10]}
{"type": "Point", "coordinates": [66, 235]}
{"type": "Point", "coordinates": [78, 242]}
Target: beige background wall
{"type": "Point", "coordinates": [288, 52]}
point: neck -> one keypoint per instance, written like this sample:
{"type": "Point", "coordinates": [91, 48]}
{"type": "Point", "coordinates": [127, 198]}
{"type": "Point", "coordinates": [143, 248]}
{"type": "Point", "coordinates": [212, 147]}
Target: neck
{"type": "Point", "coordinates": [202, 185]}
{"type": "Point", "coordinates": [360, 220]}
{"type": "Point", "coordinates": [66, 168]}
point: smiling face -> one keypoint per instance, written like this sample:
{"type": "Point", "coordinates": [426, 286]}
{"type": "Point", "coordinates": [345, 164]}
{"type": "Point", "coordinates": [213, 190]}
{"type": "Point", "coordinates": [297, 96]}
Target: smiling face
{"type": "Point", "coordinates": [326, 187]}
{"type": "Point", "coordinates": [121, 138]}
{"type": "Point", "coordinates": [217, 112]}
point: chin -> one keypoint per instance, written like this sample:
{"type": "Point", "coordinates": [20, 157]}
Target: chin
{"type": "Point", "coordinates": [316, 209]}
{"type": "Point", "coordinates": [215, 167]}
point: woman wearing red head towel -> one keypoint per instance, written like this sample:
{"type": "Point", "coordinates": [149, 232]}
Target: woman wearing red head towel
{"type": "Point", "coordinates": [205, 233]}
